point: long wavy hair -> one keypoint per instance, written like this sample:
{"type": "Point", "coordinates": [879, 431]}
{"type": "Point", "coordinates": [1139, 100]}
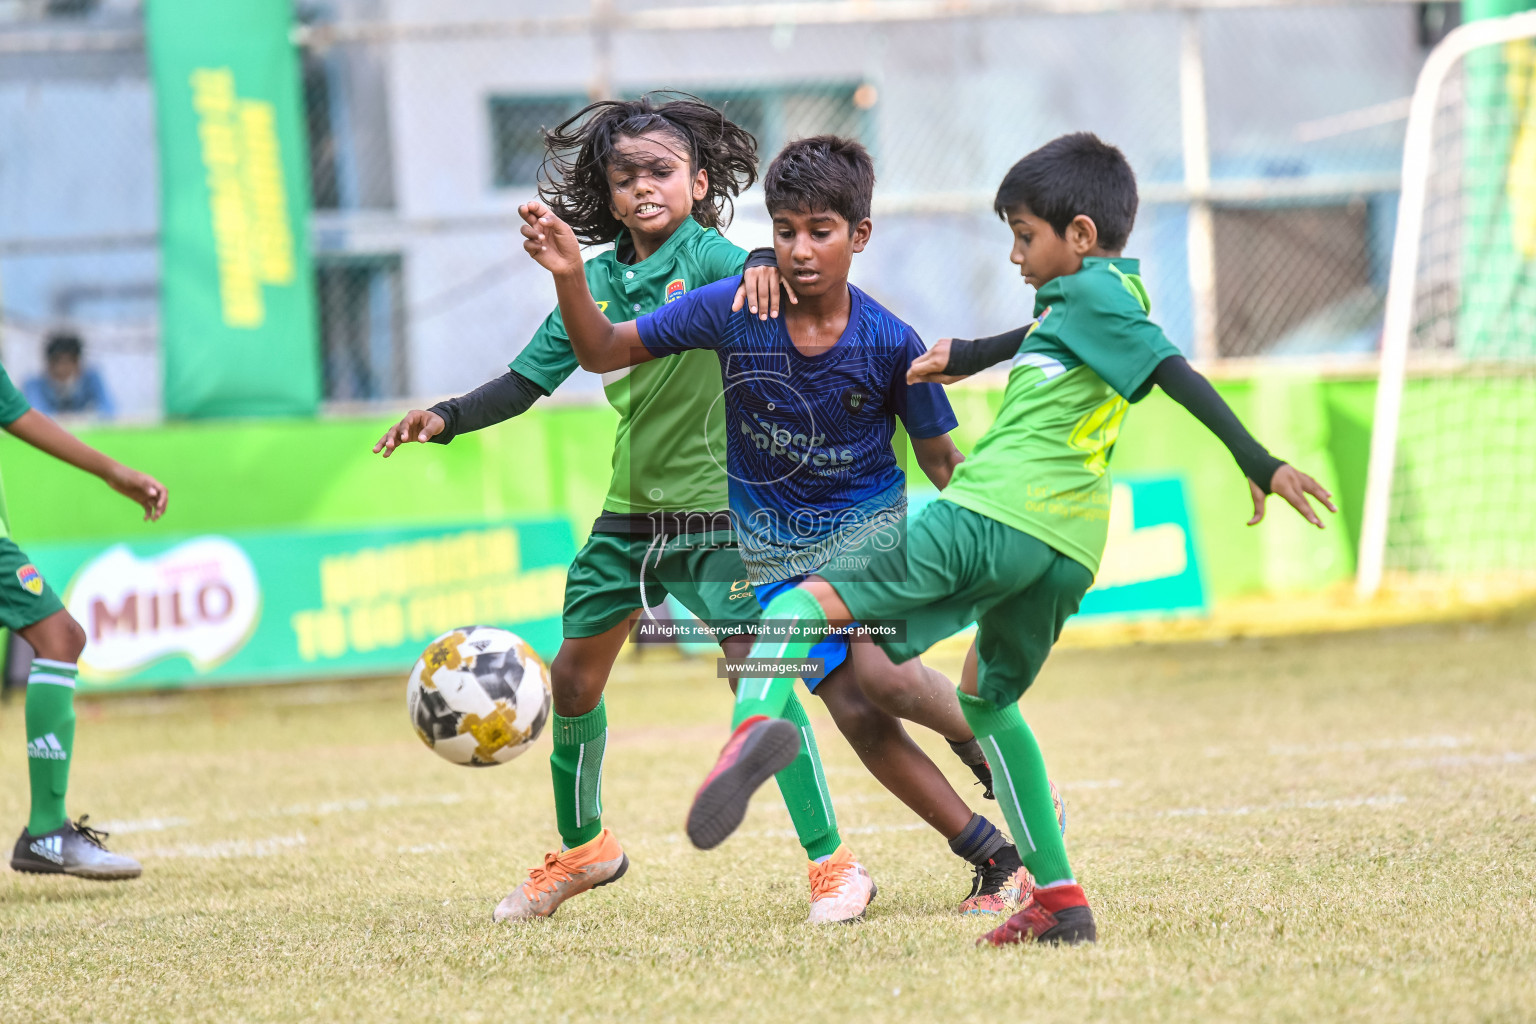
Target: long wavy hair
{"type": "Point", "coordinates": [579, 151]}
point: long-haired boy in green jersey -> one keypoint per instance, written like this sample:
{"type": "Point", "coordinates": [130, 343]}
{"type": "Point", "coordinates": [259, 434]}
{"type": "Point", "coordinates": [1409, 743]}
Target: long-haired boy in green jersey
{"type": "Point", "coordinates": [654, 178]}
{"type": "Point", "coordinates": [50, 843]}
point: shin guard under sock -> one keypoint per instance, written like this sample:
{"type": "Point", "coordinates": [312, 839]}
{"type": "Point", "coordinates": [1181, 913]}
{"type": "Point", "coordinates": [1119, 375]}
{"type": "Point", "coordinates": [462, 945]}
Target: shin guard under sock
{"type": "Point", "coordinates": [804, 786]}
{"type": "Point", "coordinates": [50, 716]}
{"type": "Point", "coordinates": [1022, 786]}
{"type": "Point", "coordinates": [576, 770]}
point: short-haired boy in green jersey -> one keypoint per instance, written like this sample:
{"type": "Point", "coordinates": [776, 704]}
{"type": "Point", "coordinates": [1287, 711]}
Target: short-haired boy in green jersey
{"type": "Point", "coordinates": [655, 179]}
{"type": "Point", "coordinates": [51, 844]}
{"type": "Point", "coordinates": [1014, 541]}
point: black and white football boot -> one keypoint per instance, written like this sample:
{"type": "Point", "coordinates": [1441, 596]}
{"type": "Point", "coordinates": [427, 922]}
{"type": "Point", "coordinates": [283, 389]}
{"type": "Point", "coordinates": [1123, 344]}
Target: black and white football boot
{"type": "Point", "coordinates": [73, 848]}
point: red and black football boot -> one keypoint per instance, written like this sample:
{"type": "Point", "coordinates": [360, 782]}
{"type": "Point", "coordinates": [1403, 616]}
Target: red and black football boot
{"type": "Point", "coordinates": [1059, 914]}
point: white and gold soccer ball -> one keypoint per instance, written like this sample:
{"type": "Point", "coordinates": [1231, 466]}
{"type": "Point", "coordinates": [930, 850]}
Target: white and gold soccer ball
{"type": "Point", "coordinates": [478, 696]}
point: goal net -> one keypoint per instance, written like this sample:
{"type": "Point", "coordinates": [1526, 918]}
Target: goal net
{"type": "Point", "coordinates": [1451, 494]}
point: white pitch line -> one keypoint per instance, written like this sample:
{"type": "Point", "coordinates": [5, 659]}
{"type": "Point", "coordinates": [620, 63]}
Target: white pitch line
{"type": "Point", "coordinates": [229, 849]}
{"type": "Point", "coordinates": [1310, 805]}
{"type": "Point", "coordinates": [140, 825]}
{"type": "Point", "coordinates": [1350, 747]}
{"type": "Point", "coordinates": [379, 803]}
{"type": "Point", "coordinates": [1091, 784]}
{"type": "Point", "coordinates": [1470, 760]}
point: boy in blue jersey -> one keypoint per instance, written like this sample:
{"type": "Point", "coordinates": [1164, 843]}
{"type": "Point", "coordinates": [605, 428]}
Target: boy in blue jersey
{"type": "Point", "coordinates": [811, 401]}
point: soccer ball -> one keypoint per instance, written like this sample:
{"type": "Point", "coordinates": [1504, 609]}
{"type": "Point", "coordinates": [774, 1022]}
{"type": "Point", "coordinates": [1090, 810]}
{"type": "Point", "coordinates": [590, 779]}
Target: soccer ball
{"type": "Point", "coordinates": [479, 696]}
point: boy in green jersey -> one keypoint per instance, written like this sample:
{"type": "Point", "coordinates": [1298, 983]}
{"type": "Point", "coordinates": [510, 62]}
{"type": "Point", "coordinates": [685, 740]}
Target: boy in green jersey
{"type": "Point", "coordinates": [655, 180]}
{"type": "Point", "coordinates": [1014, 541]}
{"type": "Point", "coordinates": [50, 843]}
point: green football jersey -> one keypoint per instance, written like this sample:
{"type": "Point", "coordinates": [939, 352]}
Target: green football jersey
{"type": "Point", "coordinates": [1043, 466]}
{"type": "Point", "coordinates": [670, 427]}
{"type": "Point", "coordinates": [12, 405]}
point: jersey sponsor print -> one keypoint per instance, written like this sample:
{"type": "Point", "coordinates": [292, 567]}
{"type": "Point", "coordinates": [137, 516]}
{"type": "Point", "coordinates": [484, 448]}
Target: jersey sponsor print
{"type": "Point", "coordinates": [808, 438]}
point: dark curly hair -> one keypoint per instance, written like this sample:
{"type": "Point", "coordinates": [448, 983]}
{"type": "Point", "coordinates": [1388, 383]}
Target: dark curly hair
{"type": "Point", "coordinates": [824, 173]}
{"type": "Point", "coordinates": [579, 151]}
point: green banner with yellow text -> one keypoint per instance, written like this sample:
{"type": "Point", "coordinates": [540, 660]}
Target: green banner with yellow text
{"type": "Point", "coordinates": [238, 324]}
{"type": "Point", "coordinates": [217, 608]}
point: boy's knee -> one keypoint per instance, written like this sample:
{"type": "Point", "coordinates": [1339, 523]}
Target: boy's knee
{"type": "Point", "coordinates": [861, 722]}
{"type": "Point", "coordinates": [57, 638]}
{"type": "Point", "coordinates": [76, 639]}
{"type": "Point", "coordinates": [576, 688]}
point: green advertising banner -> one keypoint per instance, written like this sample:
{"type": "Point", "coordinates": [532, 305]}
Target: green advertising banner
{"type": "Point", "coordinates": [223, 608]}
{"type": "Point", "coordinates": [238, 326]}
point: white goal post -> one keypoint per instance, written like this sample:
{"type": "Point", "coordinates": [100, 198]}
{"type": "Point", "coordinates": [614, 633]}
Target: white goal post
{"type": "Point", "coordinates": [1432, 201]}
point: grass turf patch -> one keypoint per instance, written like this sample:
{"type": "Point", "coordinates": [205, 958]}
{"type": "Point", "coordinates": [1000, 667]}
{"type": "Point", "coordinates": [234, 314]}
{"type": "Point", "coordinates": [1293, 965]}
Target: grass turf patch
{"type": "Point", "coordinates": [1339, 827]}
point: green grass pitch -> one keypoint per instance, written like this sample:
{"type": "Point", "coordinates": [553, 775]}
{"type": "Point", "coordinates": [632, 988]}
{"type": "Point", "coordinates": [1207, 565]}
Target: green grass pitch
{"type": "Point", "coordinates": [1324, 828]}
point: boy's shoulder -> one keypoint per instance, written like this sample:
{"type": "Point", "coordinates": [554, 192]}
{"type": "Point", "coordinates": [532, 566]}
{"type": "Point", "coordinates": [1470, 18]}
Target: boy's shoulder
{"type": "Point", "coordinates": [702, 238]}
{"type": "Point", "coordinates": [1109, 284]}
{"type": "Point", "coordinates": [873, 314]}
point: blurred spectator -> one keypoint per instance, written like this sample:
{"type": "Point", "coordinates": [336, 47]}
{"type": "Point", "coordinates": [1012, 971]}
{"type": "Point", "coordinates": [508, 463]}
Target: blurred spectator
{"type": "Point", "coordinates": [66, 386]}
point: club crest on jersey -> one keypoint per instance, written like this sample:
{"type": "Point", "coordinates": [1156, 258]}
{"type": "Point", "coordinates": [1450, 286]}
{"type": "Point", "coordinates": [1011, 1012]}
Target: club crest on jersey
{"type": "Point", "coordinates": [675, 289]}
{"type": "Point", "coordinates": [30, 579]}
{"type": "Point", "coordinates": [855, 398]}
{"type": "Point", "coordinates": [1038, 321]}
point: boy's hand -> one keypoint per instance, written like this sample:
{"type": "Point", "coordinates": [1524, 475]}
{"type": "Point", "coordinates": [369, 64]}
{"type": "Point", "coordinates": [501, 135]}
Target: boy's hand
{"type": "Point", "coordinates": [549, 240]}
{"type": "Point", "coordinates": [1293, 485]}
{"type": "Point", "coordinates": [419, 425]}
{"type": "Point", "coordinates": [760, 291]}
{"type": "Point", "coordinates": [140, 487]}
{"type": "Point", "coordinates": [928, 368]}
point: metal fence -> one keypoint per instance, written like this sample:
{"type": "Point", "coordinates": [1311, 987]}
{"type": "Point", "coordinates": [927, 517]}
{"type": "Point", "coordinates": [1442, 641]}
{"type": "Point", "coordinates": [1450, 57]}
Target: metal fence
{"type": "Point", "coordinates": [1266, 137]}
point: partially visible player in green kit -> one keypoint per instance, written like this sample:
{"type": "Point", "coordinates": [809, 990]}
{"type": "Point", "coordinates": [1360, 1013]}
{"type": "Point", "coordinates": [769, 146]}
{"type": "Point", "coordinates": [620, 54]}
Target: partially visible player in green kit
{"type": "Point", "coordinates": [51, 844]}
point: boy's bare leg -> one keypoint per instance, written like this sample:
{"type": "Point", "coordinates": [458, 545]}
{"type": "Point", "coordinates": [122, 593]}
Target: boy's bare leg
{"type": "Point", "coordinates": [889, 753]}
{"type": "Point", "coordinates": [910, 690]}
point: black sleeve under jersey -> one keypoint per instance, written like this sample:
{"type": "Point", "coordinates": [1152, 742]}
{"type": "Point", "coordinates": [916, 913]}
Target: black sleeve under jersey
{"type": "Point", "coordinates": [1185, 385]}
{"type": "Point", "coordinates": [968, 357]}
{"type": "Point", "coordinates": [507, 396]}
{"type": "Point", "coordinates": [763, 257]}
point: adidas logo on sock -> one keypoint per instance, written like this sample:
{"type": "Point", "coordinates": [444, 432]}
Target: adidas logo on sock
{"type": "Point", "coordinates": [47, 747]}
{"type": "Point", "coordinates": [49, 848]}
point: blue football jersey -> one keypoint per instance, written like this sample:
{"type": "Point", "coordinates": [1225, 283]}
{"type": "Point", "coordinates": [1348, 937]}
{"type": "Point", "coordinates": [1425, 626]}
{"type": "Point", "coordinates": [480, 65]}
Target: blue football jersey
{"type": "Point", "coordinates": [808, 438]}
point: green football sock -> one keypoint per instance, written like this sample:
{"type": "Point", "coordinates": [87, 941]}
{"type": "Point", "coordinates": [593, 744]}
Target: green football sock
{"type": "Point", "coordinates": [576, 769]}
{"type": "Point", "coordinates": [804, 785]}
{"type": "Point", "coordinates": [50, 716]}
{"type": "Point", "coordinates": [1023, 789]}
{"type": "Point", "coordinates": [762, 696]}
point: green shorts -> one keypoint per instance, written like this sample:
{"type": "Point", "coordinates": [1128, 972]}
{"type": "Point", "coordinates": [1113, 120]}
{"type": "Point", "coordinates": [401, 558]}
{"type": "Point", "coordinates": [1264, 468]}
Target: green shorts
{"type": "Point", "coordinates": [603, 584]}
{"type": "Point", "coordinates": [960, 567]}
{"type": "Point", "coordinates": [25, 597]}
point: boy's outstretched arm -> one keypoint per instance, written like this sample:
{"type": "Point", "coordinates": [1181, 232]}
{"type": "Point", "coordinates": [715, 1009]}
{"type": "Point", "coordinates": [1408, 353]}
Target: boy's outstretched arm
{"type": "Point", "coordinates": [493, 402]}
{"type": "Point", "coordinates": [1266, 474]}
{"type": "Point", "coordinates": [599, 345]}
{"type": "Point", "coordinates": [952, 359]}
{"type": "Point", "coordinates": [45, 435]}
